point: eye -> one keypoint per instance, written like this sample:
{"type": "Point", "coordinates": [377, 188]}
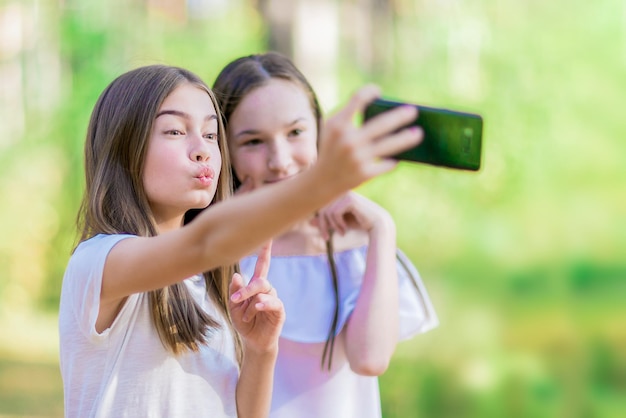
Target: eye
{"type": "Point", "coordinates": [212, 137]}
{"type": "Point", "coordinates": [295, 132]}
{"type": "Point", "coordinates": [251, 142]}
{"type": "Point", "coordinates": [174, 132]}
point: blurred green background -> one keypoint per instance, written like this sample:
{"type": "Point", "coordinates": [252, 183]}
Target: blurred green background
{"type": "Point", "coordinates": [524, 260]}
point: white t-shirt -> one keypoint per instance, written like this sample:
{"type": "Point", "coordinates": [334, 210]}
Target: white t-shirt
{"type": "Point", "coordinates": [125, 371]}
{"type": "Point", "coordinates": [304, 284]}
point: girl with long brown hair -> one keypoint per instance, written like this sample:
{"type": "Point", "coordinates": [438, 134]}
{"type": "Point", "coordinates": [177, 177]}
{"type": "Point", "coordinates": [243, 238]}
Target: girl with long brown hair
{"type": "Point", "coordinates": [349, 293]}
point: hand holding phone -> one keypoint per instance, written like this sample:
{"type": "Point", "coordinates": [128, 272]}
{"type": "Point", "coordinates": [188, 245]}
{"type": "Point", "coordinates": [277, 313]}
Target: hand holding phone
{"type": "Point", "coordinates": [452, 139]}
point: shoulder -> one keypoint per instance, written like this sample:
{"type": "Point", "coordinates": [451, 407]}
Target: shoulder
{"type": "Point", "coordinates": [91, 253]}
{"type": "Point", "coordinates": [103, 240]}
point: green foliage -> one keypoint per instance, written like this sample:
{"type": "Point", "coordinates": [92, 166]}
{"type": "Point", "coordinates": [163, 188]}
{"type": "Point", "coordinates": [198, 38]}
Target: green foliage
{"type": "Point", "coordinates": [525, 260]}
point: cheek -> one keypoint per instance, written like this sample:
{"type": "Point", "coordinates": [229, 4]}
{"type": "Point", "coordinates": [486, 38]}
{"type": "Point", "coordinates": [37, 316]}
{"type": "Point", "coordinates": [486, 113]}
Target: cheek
{"type": "Point", "coordinates": [218, 163]}
{"type": "Point", "coordinates": [157, 177]}
{"type": "Point", "coordinates": [159, 161]}
{"type": "Point", "coordinates": [155, 166]}
{"type": "Point", "coordinates": [248, 163]}
{"type": "Point", "coordinates": [307, 153]}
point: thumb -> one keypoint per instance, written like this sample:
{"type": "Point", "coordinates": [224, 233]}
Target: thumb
{"type": "Point", "coordinates": [247, 185]}
{"type": "Point", "coordinates": [359, 100]}
{"type": "Point", "coordinates": [236, 284]}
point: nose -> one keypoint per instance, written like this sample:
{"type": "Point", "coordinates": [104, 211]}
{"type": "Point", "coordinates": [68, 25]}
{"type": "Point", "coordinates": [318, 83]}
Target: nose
{"type": "Point", "coordinates": [280, 157]}
{"type": "Point", "coordinates": [200, 149]}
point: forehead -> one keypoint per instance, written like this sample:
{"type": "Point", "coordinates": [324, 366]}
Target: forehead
{"type": "Point", "coordinates": [278, 101]}
{"type": "Point", "coordinates": [189, 98]}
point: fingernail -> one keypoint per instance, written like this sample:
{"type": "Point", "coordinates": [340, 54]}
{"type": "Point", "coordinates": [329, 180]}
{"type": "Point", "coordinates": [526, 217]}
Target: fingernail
{"type": "Point", "coordinates": [235, 297]}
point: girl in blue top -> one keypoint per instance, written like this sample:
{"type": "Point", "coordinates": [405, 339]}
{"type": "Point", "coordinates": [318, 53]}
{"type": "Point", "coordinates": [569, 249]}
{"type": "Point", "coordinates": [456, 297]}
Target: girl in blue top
{"type": "Point", "coordinates": [349, 293]}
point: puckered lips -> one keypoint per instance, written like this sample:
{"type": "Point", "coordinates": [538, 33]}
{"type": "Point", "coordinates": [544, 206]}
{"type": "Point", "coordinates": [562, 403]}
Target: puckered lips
{"type": "Point", "coordinates": [205, 175]}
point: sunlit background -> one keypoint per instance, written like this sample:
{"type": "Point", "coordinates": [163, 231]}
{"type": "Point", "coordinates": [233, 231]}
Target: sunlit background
{"type": "Point", "coordinates": [525, 260]}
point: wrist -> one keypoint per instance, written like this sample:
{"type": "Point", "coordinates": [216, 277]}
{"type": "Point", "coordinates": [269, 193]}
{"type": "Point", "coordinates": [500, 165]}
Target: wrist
{"type": "Point", "coordinates": [384, 226]}
{"type": "Point", "coordinates": [261, 354]}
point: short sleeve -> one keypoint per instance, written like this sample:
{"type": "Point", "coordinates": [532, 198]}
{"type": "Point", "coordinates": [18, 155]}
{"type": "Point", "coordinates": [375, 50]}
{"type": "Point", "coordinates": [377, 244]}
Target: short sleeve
{"type": "Point", "coordinates": [83, 281]}
{"type": "Point", "coordinates": [417, 314]}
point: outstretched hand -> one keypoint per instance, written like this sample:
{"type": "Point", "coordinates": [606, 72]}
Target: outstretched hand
{"type": "Point", "coordinates": [350, 154]}
{"type": "Point", "coordinates": [257, 313]}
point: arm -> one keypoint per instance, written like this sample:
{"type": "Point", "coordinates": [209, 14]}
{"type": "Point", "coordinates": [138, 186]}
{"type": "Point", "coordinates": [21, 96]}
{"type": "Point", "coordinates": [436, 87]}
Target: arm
{"type": "Point", "coordinates": [371, 332]}
{"type": "Point", "coordinates": [258, 315]}
{"type": "Point", "coordinates": [349, 155]}
{"type": "Point", "coordinates": [254, 388]}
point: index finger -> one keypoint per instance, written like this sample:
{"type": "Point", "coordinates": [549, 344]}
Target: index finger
{"type": "Point", "coordinates": [257, 282]}
{"type": "Point", "coordinates": [262, 265]}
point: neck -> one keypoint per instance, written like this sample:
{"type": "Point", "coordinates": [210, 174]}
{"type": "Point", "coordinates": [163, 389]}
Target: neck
{"type": "Point", "coordinates": [170, 224]}
{"type": "Point", "coordinates": [302, 239]}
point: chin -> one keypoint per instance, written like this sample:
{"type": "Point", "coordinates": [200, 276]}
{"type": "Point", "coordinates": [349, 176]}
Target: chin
{"type": "Point", "coordinates": [199, 205]}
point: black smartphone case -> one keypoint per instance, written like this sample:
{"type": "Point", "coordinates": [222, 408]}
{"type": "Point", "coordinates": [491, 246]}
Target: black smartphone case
{"type": "Point", "coordinates": [452, 139]}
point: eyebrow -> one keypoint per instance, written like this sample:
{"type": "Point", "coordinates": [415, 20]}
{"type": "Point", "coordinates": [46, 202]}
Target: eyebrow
{"type": "Point", "coordinates": [256, 131]}
{"type": "Point", "coordinates": [183, 114]}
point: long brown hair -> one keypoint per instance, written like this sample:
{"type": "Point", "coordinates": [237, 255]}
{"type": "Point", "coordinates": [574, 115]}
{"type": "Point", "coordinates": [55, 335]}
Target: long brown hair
{"type": "Point", "coordinates": [233, 83]}
{"type": "Point", "coordinates": [115, 200]}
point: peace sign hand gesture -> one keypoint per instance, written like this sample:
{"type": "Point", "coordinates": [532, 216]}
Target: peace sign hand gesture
{"type": "Point", "coordinates": [257, 312]}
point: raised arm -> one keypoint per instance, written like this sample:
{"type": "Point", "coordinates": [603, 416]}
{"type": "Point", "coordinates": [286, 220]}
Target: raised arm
{"type": "Point", "coordinates": [371, 332]}
{"type": "Point", "coordinates": [349, 155]}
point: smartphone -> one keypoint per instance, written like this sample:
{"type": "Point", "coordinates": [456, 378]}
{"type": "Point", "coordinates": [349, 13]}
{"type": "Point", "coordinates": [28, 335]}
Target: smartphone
{"type": "Point", "coordinates": [452, 139]}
